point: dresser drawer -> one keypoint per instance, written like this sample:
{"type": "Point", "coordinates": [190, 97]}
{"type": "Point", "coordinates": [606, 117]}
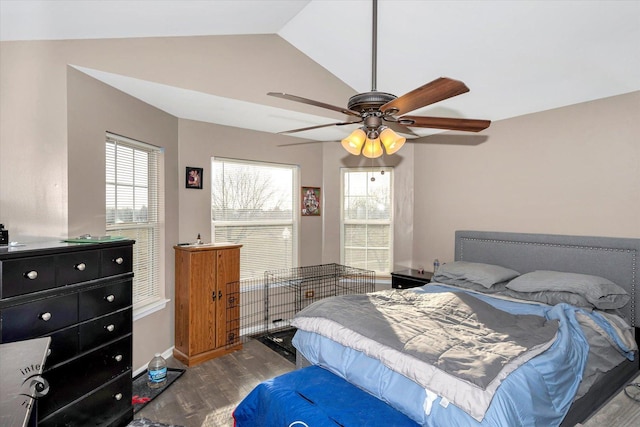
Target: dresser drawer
{"type": "Point", "coordinates": [103, 300]}
{"type": "Point", "coordinates": [76, 267]}
{"type": "Point", "coordinates": [79, 377]}
{"type": "Point", "coordinates": [38, 318]}
{"type": "Point", "coordinates": [98, 408]}
{"type": "Point", "coordinates": [63, 346]}
{"type": "Point", "coordinates": [117, 261]}
{"type": "Point", "coordinates": [105, 329]}
{"type": "Point", "coordinates": [26, 275]}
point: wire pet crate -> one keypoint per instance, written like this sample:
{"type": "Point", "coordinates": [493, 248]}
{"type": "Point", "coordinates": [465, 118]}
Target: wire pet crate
{"type": "Point", "coordinates": [268, 306]}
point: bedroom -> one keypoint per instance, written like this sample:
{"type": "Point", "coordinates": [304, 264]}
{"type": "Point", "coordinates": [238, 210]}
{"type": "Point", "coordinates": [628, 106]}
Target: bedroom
{"type": "Point", "coordinates": [569, 170]}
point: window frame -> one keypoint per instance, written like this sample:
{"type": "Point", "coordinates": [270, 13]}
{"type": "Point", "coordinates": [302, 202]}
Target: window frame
{"type": "Point", "coordinates": [154, 226]}
{"type": "Point", "coordinates": [294, 223]}
{"type": "Point", "coordinates": [390, 222]}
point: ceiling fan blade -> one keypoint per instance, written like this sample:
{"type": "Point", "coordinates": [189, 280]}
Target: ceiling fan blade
{"type": "Point", "coordinates": [399, 128]}
{"type": "Point", "coordinates": [320, 126]}
{"type": "Point", "coordinates": [314, 103]}
{"type": "Point", "coordinates": [435, 91]}
{"type": "Point", "coordinates": [302, 143]}
{"type": "Point", "coordinates": [468, 125]}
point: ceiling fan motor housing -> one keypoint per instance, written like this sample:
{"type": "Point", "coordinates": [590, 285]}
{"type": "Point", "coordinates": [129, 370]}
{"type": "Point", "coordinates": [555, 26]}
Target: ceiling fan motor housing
{"type": "Point", "coordinates": [369, 101]}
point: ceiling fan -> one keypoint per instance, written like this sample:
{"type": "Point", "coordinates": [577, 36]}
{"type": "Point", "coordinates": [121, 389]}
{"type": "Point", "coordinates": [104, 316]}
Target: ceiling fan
{"type": "Point", "coordinates": [381, 112]}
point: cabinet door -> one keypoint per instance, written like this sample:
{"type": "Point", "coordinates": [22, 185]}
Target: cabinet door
{"type": "Point", "coordinates": [228, 271]}
{"type": "Point", "coordinates": [203, 293]}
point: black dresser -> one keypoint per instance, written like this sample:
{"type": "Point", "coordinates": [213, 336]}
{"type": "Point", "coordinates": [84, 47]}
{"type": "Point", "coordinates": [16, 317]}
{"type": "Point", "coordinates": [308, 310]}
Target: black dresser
{"type": "Point", "coordinates": [405, 278]}
{"type": "Point", "coordinates": [80, 295]}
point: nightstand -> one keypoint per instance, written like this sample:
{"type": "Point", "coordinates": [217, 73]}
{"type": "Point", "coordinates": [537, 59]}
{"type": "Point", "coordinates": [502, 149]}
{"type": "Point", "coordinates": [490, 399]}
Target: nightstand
{"type": "Point", "coordinates": [409, 278]}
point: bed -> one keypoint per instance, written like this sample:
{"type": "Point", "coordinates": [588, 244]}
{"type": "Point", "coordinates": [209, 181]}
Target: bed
{"type": "Point", "coordinates": [561, 359]}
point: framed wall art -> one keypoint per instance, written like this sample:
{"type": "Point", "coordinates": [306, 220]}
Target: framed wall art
{"type": "Point", "coordinates": [193, 178]}
{"type": "Point", "coordinates": [311, 201]}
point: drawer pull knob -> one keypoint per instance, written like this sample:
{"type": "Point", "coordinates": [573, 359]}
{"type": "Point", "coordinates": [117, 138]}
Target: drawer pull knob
{"type": "Point", "coordinates": [118, 260]}
{"type": "Point", "coordinates": [45, 316]}
{"type": "Point", "coordinates": [31, 275]}
{"type": "Point", "coordinates": [118, 396]}
{"type": "Point", "coordinates": [118, 358]}
{"type": "Point", "coordinates": [110, 328]}
{"type": "Point", "coordinates": [80, 267]}
{"type": "Point", "coordinates": [110, 298]}
{"type": "Point", "coordinates": [48, 352]}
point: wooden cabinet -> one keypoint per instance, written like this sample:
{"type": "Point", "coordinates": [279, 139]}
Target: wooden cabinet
{"type": "Point", "coordinates": [80, 295]}
{"type": "Point", "coordinates": [207, 302]}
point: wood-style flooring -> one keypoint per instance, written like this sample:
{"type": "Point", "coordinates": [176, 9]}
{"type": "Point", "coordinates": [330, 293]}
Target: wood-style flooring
{"type": "Point", "coordinates": [206, 394]}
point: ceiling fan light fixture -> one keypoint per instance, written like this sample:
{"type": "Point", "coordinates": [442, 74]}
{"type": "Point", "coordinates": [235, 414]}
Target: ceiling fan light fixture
{"type": "Point", "coordinates": [372, 148]}
{"type": "Point", "coordinates": [392, 141]}
{"type": "Point", "coordinates": [354, 142]}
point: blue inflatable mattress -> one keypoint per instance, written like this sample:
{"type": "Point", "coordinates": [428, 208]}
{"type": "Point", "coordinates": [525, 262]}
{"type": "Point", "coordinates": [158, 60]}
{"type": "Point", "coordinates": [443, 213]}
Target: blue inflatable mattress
{"type": "Point", "coordinates": [314, 397]}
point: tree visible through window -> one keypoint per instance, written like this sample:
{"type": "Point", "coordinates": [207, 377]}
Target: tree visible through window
{"type": "Point", "coordinates": [254, 204]}
{"type": "Point", "coordinates": [367, 207]}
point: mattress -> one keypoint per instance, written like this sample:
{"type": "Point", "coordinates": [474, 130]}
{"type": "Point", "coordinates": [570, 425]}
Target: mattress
{"type": "Point", "coordinates": [539, 392]}
{"type": "Point", "coordinates": [314, 397]}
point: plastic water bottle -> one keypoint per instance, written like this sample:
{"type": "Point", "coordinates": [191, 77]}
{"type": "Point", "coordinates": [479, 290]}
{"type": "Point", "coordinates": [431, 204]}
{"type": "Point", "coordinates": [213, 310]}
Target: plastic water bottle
{"type": "Point", "coordinates": [157, 372]}
{"type": "Point", "coordinates": [436, 265]}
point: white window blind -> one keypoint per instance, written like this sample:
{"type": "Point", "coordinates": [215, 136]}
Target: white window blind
{"type": "Point", "coordinates": [134, 207]}
{"type": "Point", "coordinates": [255, 204]}
{"type": "Point", "coordinates": [367, 222]}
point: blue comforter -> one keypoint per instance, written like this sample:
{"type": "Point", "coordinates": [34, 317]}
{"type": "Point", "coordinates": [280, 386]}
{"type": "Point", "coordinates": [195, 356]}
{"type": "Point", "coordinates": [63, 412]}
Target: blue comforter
{"type": "Point", "coordinates": [540, 392]}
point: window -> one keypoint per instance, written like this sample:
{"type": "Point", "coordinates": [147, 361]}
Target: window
{"type": "Point", "coordinates": [366, 222]}
{"type": "Point", "coordinates": [254, 204]}
{"type": "Point", "coordinates": [134, 210]}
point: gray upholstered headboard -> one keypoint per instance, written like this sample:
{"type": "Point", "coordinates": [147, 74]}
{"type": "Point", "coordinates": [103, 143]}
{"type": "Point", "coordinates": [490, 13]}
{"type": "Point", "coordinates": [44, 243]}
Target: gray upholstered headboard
{"type": "Point", "coordinates": [616, 259]}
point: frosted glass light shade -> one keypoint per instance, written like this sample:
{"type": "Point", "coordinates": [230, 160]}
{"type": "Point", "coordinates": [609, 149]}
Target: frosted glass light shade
{"type": "Point", "coordinates": [372, 148]}
{"type": "Point", "coordinates": [392, 141]}
{"type": "Point", "coordinates": [353, 143]}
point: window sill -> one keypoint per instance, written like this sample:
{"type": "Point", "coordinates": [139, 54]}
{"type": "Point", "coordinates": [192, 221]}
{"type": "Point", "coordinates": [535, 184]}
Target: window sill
{"type": "Point", "coordinates": [151, 307]}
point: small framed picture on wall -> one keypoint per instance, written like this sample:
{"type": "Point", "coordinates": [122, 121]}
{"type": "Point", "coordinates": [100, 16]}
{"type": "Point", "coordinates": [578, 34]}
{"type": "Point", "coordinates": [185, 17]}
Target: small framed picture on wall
{"type": "Point", "coordinates": [193, 178]}
{"type": "Point", "coordinates": [310, 201]}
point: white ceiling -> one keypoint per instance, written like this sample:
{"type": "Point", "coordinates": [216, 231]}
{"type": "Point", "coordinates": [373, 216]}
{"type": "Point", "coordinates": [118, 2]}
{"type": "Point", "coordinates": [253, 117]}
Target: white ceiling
{"type": "Point", "coordinates": [517, 57]}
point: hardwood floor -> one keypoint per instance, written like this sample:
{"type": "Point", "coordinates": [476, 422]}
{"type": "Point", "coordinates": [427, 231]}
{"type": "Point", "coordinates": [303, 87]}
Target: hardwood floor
{"type": "Point", "coordinates": [206, 394]}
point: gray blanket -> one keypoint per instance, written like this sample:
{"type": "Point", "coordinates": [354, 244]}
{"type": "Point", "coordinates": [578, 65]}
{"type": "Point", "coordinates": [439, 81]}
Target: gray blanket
{"type": "Point", "coordinates": [453, 344]}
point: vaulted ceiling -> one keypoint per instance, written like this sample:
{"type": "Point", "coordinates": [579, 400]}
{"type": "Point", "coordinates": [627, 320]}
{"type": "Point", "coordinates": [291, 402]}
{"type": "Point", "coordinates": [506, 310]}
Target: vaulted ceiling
{"type": "Point", "coordinates": [517, 57]}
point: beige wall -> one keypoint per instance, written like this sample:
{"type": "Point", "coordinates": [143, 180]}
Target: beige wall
{"type": "Point", "coordinates": [572, 170]}
{"type": "Point", "coordinates": [335, 158]}
{"type": "Point", "coordinates": [53, 119]}
{"type": "Point", "coordinates": [94, 108]}
{"type": "Point", "coordinates": [199, 142]}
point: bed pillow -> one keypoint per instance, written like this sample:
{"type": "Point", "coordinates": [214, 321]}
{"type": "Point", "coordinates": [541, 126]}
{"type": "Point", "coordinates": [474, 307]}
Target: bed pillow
{"type": "Point", "coordinates": [462, 273]}
{"type": "Point", "coordinates": [494, 289]}
{"type": "Point", "coordinates": [602, 293]}
{"type": "Point", "coordinates": [552, 298]}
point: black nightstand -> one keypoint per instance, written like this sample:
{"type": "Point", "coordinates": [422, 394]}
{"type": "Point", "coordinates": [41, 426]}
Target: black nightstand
{"type": "Point", "coordinates": [409, 278]}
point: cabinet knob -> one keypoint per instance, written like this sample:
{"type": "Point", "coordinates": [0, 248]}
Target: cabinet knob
{"type": "Point", "coordinates": [110, 298]}
{"type": "Point", "coordinates": [45, 316]}
{"type": "Point", "coordinates": [118, 358]}
{"type": "Point", "coordinates": [117, 396]}
{"type": "Point", "coordinates": [80, 267]}
{"type": "Point", "coordinates": [48, 352]}
{"type": "Point", "coordinates": [118, 260]}
{"type": "Point", "coordinates": [110, 328]}
{"type": "Point", "coordinates": [31, 275]}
